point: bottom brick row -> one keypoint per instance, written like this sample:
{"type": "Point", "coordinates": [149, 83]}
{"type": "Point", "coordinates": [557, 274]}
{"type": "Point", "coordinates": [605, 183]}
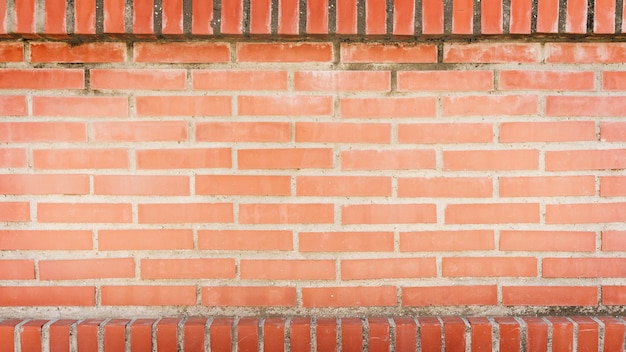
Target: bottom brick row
{"type": "Point", "coordinates": [317, 334]}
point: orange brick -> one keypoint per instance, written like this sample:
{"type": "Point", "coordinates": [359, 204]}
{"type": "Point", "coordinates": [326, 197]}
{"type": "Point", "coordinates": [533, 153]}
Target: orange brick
{"type": "Point", "coordinates": [434, 133]}
{"type": "Point", "coordinates": [84, 212]}
{"type": "Point", "coordinates": [343, 186]}
{"type": "Point", "coordinates": [287, 269]}
{"type": "Point", "coordinates": [80, 159]}
{"type": "Point", "coordinates": [445, 81]}
{"type": "Point", "coordinates": [396, 268]}
{"type": "Point", "coordinates": [53, 296]}
{"type": "Point", "coordinates": [148, 295]}
{"type": "Point", "coordinates": [342, 80]}
{"type": "Point", "coordinates": [141, 185]}
{"type": "Point", "coordinates": [613, 80]}
{"type": "Point", "coordinates": [243, 185]}
{"type": "Point", "coordinates": [476, 160]}
{"type": "Point", "coordinates": [286, 213]}
{"type": "Point", "coordinates": [492, 52]}
{"type": "Point", "coordinates": [438, 241]}
{"type": "Point", "coordinates": [614, 240]}
{"type": "Point", "coordinates": [379, 296]}
{"type": "Point", "coordinates": [346, 241]}
{"type": "Point", "coordinates": [122, 240]}
{"type": "Point", "coordinates": [14, 211]}
{"type": "Point", "coordinates": [291, 158]}
{"type": "Point", "coordinates": [548, 241]}
{"type": "Point", "coordinates": [613, 131]}
{"type": "Point", "coordinates": [80, 106]}
{"type": "Point", "coordinates": [293, 105]}
{"type": "Point", "coordinates": [388, 214]}
{"type": "Point", "coordinates": [239, 80]}
{"type": "Point", "coordinates": [12, 157]}
{"type": "Point", "coordinates": [17, 269]}
{"type": "Point", "coordinates": [489, 266]}
{"type": "Point", "coordinates": [42, 78]}
{"type": "Point", "coordinates": [585, 213]}
{"type": "Point", "coordinates": [176, 213]}
{"type": "Point", "coordinates": [388, 107]}
{"type": "Point", "coordinates": [562, 131]}
{"type": "Point", "coordinates": [389, 53]}
{"type": "Point", "coordinates": [547, 186]}
{"type": "Point", "coordinates": [183, 158]}
{"type": "Point", "coordinates": [403, 159]}
{"type": "Point", "coordinates": [284, 52]}
{"type": "Point", "coordinates": [189, 268]}
{"type": "Point", "coordinates": [120, 79]}
{"type": "Point", "coordinates": [585, 53]}
{"type": "Point", "coordinates": [549, 295]}
{"type": "Point", "coordinates": [333, 132]}
{"type": "Point", "coordinates": [11, 52]}
{"type": "Point", "coordinates": [13, 105]}
{"type": "Point", "coordinates": [249, 296]}
{"type": "Point", "coordinates": [81, 269]}
{"type": "Point", "coordinates": [45, 240]}
{"type": "Point", "coordinates": [449, 187]}
{"type": "Point", "coordinates": [182, 52]}
{"type": "Point", "coordinates": [614, 295]}
{"type": "Point", "coordinates": [502, 213]}
{"type": "Point", "coordinates": [586, 159]}
{"type": "Point", "coordinates": [68, 53]}
{"type": "Point", "coordinates": [547, 80]}
{"type": "Point", "coordinates": [139, 131]}
{"type": "Point", "coordinates": [490, 105]}
{"type": "Point", "coordinates": [44, 184]}
{"type": "Point", "coordinates": [243, 131]}
{"type": "Point", "coordinates": [245, 240]}
{"type": "Point", "coordinates": [43, 132]}
{"type": "Point", "coordinates": [583, 267]}
{"type": "Point", "coordinates": [152, 106]}
{"type": "Point", "coordinates": [594, 106]}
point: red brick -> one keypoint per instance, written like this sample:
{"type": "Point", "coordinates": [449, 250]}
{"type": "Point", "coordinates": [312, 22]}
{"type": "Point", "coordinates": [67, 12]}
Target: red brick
{"type": "Point", "coordinates": [481, 334]}
{"type": "Point", "coordinates": [448, 187]}
{"type": "Point", "coordinates": [433, 22]}
{"type": "Point", "coordinates": [438, 241]}
{"type": "Point", "coordinates": [547, 16]}
{"type": "Point", "coordinates": [520, 21]}
{"type": "Point", "coordinates": [13, 105]}
{"type": "Point", "coordinates": [403, 17]}
{"type": "Point", "coordinates": [44, 184]}
{"type": "Point", "coordinates": [613, 131]}
{"type": "Point", "coordinates": [476, 160]}
{"type": "Point", "coordinates": [379, 335]}
{"type": "Point", "coordinates": [294, 105]}
{"type": "Point", "coordinates": [562, 333]}
{"type": "Point", "coordinates": [13, 296]}
{"type": "Point", "coordinates": [366, 269]}
{"type": "Point", "coordinates": [243, 185]}
{"type": "Point", "coordinates": [87, 334]}
{"type": "Point", "coordinates": [445, 81]}
{"type": "Point", "coordinates": [141, 335]}
{"type": "Point", "coordinates": [141, 185]}
{"type": "Point", "coordinates": [14, 211]}
{"type": "Point", "coordinates": [274, 335]}
{"type": "Point", "coordinates": [43, 132]}
{"type": "Point", "coordinates": [167, 334]}
{"type": "Point", "coordinates": [291, 158]}
{"type": "Point", "coordinates": [317, 17]}
{"type": "Point", "coordinates": [403, 159]}
{"type": "Point", "coordinates": [214, 268]}
{"type": "Point", "coordinates": [613, 295]}
{"type": "Point", "coordinates": [588, 333]}
{"type": "Point", "coordinates": [435, 133]}
{"type": "Point", "coordinates": [343, 186]}
{"type": "Point", "coordinates": [202, 18]}
{"type": "Point", "coordinates": [288, 17]}
{"type": "Point", "coordinates": [120, 79]}
{"type": "Point", "coordinates": [489, 266]}
{"type": "Point", "coordinates": [547, 80]}
{"type": "Point", "coordinates": [549, 295]}
{"type": "Point", "coordinates": [63, 52]}
{"type": "Point", "coordinates": [388, 107]}
{"type": "Point", "coordinates": [80, 159]}
{"type": "Point", "coordinates": [45, 240]}
{"type": "Point", "coordinates": [375, 19]}
{"type": "Point", "coordinates": [300, 334]}
{"type": "Point", "coordinates": [239, 80]}
{"type": "Point", "coordinates": [548, 241]}
{"type": "Point", "coordinates": [585, 213]}
{"type": "Point", "coordinates": [510, 330]}
{"type": "Point", "coordinates": [346, 241]}
{"type": "Point", "coordinates": [115, 334]}
{"type": "Point", "coordinates": [389, 53]}
{"type": "Point", "coordinates": [114, 240]}
{"type": "Point", "coordinates": [232, 16]}
{"type": "Point", "coordinates": [153, 106]}
{"type": "Point", "coordinates": [283, 213]}
{"type": "Point", "coordinates": [336, 132]}
{"type": "Point", "coordinates": [584, 267]}
{"type": "Point", "coordinates": [431, 333]}
{"type": "Point", "coordinates": [449, 296]}
{"type": "Point", "coordinates": [462, 16]}
{"type": "Point", "coordinates": [493, 213]}
{"type": "Point", "coordinates": [183, 158]}
{"type": "Point", "coordinates": [181, 52]}
{"type": "Point", "coordinates": [351, 334]}
{"type": "Point", "coordinates": [491, 17]}
{"type": "Point", "coordinates": [247, 334]}
{"type": "Point", "coordinates": [585, 53]}
{"type": "Point", "coordinates": [378, 296]}
{"type": "Point", "coordinates": [613, 333]}
{"type": "Point", "coordinates": [284, 52]}
{"type": "Point", "coordinates": [388, 214]}
{"type": "Point", "coordinates": [613, 80]}
{"type": "Point", "coordinates": [586, 159]}
{"type": "Point", "coordinates": [287, 269]}
{"type": "Point", "coordinates": [220, 333]}
{"type": "Point", "coordinates": [249, 296]}
{"type": "Point", "coordinates": [614, 240]}
{"type": "Point", "coordinates": [7, 333]}
{"type": "Point", "coordinates": [60, 335]}
{"type": "Point", "coordinates": [177, 213]}
{"type": "Point", "coordinates": [194, 334]}
{"type": "Point", "coordinates": [81, 269]}
{"type": "Point", "coordinates": [454, 336]}
{"type": "Point", "coordinates": [41, 78]}
{"type": "Point", "coordinates": [547, 186]}
{"type": "Point", "coordinates": [491, 52]}
{"type": "Point", "coordinates": [326, 334]}
{"type": "Point", "coordinates": [572, 106]}
{"type": "Point", "coordinates": [490, 105]}
{"type": "Point", "coordinates": [17, 269]}
{"type": "Point", "coordinates": [562, 131]}
{"type": "Point", "coordinates": [114, 16]}
{"type": "Point", "coordinates": [604, 17]}
{"type": "Point", "coordinates": [80, 106]}
{"type": "Point", "coordinates": [252, 240]}
{"type": "Point", "coordinates": [140, 131]}
{"type": "Point", "coordinates": [148, 295]}
{"type": "Point", "coordinates": [25, 18]}
{"type": "Point", "coordinates": [260, 17]}
{"type": "Point", "coordinates": [85, 17]}
{"type": "Point", "coordinates": [346, 17]}
{"type": "Point", "coordinates": [537, 334]}
{"type": "Point", "coordinates": [342, 80]}
{"type": "Point", "coordinates": [11, 52]}
{"type": "Point", "coordinates": [243, 131]}
{"type": "Point", "coordinates": [143, 19]}
{"type": "Point", "coordinates": [84, 212]}
{"type": "Point", "coordinates": [172, 20]}
{"type": "Point", "coordinates": [30, 335]}
{"type": "Point", "coordinates": [13, 157]}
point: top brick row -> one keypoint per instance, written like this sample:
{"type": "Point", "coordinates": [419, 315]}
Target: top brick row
{"type": "Point", "coordinates": [60, 19]}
